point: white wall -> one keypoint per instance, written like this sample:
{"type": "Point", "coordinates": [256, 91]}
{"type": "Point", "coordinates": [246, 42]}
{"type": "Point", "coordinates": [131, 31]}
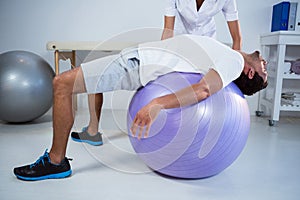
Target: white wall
{"type": "Point", "coordinates": [30, 24]}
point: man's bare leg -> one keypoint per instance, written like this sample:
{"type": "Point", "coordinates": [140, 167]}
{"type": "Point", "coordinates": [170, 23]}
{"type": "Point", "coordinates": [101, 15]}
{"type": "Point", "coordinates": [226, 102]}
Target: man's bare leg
{"type": "Point", "coordinates": [64, 85]}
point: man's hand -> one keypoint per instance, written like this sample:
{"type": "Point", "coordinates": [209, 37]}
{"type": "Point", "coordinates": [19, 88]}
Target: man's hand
{"type": "Point", "coordinates": [208, 85]}
{"type": "Point", "coordinates": [144, 119]}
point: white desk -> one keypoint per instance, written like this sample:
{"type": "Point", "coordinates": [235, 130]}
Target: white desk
{"type": "Point", "coordinates": [67, 50]}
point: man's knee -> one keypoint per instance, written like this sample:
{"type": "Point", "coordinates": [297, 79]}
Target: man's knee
{"type": "Point", "coordinates": [69, 82]}
{"type": "Point", "coordinates": [61, 85]}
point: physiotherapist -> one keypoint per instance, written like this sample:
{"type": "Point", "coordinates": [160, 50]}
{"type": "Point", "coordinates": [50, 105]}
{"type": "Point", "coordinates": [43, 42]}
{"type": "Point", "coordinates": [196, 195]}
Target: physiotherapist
{"type": "Point", "coordinates": [196, 17]}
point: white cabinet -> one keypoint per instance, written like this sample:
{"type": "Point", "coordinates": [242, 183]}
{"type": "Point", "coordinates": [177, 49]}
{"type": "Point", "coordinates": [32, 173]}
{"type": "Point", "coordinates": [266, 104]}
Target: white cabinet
{"type": "Point", "coordinates": [277, 48]}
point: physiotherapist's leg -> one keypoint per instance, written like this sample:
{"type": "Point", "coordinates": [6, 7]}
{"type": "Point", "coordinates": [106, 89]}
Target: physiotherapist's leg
{"type": "Point", "coordinates": [64, 85]}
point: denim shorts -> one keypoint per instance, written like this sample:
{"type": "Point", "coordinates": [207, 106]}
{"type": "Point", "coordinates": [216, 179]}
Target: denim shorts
{"type": "Point", "coordinates": [110, 73]}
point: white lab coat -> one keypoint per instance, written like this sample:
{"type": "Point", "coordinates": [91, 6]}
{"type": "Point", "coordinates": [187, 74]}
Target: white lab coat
{"type": "Point", "coordinates": [190, 21]}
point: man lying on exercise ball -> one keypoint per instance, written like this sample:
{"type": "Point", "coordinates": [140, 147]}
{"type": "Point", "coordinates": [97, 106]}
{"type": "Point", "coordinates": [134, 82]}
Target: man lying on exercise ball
{"type": "Point", "coordinates": [134, 68]}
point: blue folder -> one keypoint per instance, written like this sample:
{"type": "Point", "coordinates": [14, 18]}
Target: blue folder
{"type": "Point", "coordinates": [280, 16]}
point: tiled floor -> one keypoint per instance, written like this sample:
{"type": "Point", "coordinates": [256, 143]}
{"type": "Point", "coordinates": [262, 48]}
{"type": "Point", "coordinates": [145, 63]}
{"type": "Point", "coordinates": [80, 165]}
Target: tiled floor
{"type": "Point", "coordinates": [268, 168]}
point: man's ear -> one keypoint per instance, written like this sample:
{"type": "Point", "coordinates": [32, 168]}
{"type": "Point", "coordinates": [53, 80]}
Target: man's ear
{"type": "Point", "coordinates": [251, 73]}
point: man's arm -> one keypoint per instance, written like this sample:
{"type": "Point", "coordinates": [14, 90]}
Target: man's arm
{"type": "Point", "coordinates": [208, 85]}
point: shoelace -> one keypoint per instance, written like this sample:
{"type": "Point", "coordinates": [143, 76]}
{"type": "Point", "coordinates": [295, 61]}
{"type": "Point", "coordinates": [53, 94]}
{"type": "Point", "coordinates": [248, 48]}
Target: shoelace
{"type": "Point", "coordinates": [41, 159]}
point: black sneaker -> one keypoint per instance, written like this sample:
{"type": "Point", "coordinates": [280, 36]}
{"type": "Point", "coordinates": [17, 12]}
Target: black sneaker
{"type": "Point", "coordinates": [43, 169]}
{"type": "Point", "coordinates": [84, 136]}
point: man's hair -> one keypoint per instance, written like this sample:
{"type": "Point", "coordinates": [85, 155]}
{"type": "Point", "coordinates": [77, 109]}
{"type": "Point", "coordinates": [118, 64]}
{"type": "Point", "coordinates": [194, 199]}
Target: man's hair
{"type": "Point", "coordinates": [250, 86]}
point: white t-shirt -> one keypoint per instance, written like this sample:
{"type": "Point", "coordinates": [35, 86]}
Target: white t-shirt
{"type": "Point", "coordinates": [201, 22]}
{"type": "Point", "coordinates": [189, 53]}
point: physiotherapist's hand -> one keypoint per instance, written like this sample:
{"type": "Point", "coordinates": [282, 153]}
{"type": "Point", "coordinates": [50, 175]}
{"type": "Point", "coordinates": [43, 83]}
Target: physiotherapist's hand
{"type": "Point", "coordinates": [144, 119]}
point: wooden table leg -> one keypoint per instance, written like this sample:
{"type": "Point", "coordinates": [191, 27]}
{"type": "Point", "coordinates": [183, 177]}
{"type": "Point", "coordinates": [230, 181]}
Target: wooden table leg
{"type": "Point", "coordinates": [73, 65]}
{"type": "Point", "coordinates": [56, 59]}
{"type": "Point", "coordinates": [73, 59]}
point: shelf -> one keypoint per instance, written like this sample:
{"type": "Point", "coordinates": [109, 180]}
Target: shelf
{"type": "Point", "coordinates": [280, 37]}
{"type": "Point", "coordinates": [291, 76]}
{"type": "Point", "coordinates": [284, 107]}
{"type": "Point", "coordinates": [272, 74]}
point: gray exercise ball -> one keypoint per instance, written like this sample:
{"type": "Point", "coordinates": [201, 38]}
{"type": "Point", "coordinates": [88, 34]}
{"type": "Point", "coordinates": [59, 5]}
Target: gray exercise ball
{"type": "Point", "coordinates": [25, 86]}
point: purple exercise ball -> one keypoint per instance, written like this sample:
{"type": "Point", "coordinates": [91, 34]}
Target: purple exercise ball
{"type": "Point", "coordinates": [195, 141]}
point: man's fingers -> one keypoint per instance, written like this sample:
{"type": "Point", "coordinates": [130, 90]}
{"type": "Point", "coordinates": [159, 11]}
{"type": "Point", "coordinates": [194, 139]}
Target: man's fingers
{"type": "Point", "coordinates": [141, 130]}
{"type": "Point", "coordinates": [134, 127]}
{"type": "Point", "coordinates": [147, 130]}
{"type": "Point", "coordinates": [140, 126]}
